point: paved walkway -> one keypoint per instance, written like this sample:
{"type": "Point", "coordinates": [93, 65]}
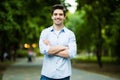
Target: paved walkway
{"type": "Point", "coordinates": [23, 70]}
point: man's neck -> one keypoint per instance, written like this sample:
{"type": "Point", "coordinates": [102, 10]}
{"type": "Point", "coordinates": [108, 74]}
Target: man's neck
{"type": "Point", "coordinates": [58, 27]}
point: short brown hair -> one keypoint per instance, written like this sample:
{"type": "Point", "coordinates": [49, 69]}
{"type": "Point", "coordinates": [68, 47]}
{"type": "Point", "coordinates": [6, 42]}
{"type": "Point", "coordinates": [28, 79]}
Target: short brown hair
{"type": "Point", "coordinates": [58, 6]}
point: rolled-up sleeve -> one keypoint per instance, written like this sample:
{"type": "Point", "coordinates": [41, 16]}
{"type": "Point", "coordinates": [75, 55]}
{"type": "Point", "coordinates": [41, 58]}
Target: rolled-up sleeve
{"type": "Point", "coordinates": [43, 47]}
{"type": "Point", "coordinates": [72, 46]}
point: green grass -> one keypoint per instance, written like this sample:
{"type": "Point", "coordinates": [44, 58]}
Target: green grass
{"type": "Point", "coordinates": [93, 59]}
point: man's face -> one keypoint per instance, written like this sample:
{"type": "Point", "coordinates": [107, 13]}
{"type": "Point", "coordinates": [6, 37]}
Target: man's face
{"type": "Point", "coordinates": [58, 17]}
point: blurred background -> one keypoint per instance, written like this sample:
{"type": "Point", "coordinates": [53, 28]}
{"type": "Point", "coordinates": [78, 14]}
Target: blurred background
{"type": "Point", "coordinates": [96, 24]}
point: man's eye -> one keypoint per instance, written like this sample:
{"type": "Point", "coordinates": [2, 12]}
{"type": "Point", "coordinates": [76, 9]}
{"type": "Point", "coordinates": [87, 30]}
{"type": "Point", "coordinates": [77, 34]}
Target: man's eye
{"type": "Point", "coordinates": [55, 14]}
{"type": "Point", "coordinates": [60, 14]}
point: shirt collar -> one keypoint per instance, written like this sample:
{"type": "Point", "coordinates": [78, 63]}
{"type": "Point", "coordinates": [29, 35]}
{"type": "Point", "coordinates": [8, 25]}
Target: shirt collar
{"type": "Point", "coordinates": [52, 29]}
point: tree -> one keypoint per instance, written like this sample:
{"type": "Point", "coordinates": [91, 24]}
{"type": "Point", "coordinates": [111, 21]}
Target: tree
{"type": "Point", "coordinates": [102, 18]}
{"type": "Point", "coordinates": [22, 21]}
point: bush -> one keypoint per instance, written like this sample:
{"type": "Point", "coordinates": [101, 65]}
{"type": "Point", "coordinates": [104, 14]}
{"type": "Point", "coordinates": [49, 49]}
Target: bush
{"type": "Point", "coordinates": [93, 59]}
{"type": "Point", "coordinates": [22, 53]}
{"type": "Point", "coordinates": [37, 51]}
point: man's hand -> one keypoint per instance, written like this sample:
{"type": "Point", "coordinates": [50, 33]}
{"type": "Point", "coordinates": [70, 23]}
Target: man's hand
{"type": "Point", "coordinates": [64, 53]}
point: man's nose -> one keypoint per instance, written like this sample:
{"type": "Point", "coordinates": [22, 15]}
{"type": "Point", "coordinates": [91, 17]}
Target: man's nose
{"type": "Point", "coordinates": [58, 16]}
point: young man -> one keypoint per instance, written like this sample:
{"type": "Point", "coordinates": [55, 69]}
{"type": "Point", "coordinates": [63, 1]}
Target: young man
{"type": "Point", "coordinates": [58, 44]}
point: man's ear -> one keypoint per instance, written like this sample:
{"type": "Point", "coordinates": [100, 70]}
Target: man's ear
{"type": "Point", "coordinates": [51, 17]}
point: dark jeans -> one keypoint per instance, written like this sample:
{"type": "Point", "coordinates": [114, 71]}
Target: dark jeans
{"type": "Point", "coordinates": [46, 78]}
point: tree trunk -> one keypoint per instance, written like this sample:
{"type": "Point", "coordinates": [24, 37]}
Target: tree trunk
{"type": "Point", "coordinates": [99, 46]}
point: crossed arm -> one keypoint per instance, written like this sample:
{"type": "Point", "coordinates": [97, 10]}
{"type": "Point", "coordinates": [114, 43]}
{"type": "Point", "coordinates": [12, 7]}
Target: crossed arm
{"type": "Point", "coordinates": [61, 51]}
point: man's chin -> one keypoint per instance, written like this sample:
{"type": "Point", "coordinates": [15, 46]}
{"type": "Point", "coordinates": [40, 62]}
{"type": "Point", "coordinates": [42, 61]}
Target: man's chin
{"type": "Point", "coordinates": [57, 23]}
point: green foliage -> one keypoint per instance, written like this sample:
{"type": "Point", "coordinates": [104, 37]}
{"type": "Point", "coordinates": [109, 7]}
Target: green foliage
{"type": "Point", "coordinates": [101, 17]}
{"type": "Point", "coordinates": [37, 51]}
{"type": "Point", "coordinates": [93, 59]}
{"type": "Point", "coordinates": [77, 22]}
{"type": "Point", "coordinates": [22, 21]}
{"type": "Point", "coordinates": [96, 23]}
{"type": "Point", "coordinates": [22, 53]}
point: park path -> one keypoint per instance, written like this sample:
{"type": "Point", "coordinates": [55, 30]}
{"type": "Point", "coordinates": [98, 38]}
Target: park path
{"type": "Point", "coordinates": [23, 70]}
